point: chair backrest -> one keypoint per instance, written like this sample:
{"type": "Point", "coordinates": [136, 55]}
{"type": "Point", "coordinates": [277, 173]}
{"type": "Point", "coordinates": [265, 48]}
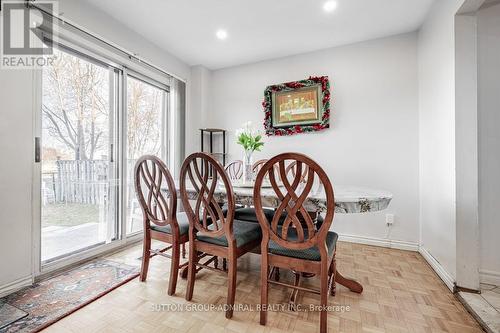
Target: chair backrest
{"type": "Point", "coordinates": [151, 176]}
{"type": "Point", "coordinates": [205, 209]}
{"type": "Point", "coordinates": [258, 165]}
{"type": "Point", "coordinates": [298, 222]}
{"type": "Point", "coordinates": [234, 170]}
{"type": "Point", "coordinates": [291, 170]}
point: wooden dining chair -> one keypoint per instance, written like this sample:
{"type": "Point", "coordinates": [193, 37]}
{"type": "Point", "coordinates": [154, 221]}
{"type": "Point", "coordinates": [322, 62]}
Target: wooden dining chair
{"type": "Point", "coordinates": [257, 165]}
{"type": "Point", "coordinates": [160, 218]}
{"type": "Point", "coordinates": [291, 170]}
{"type": "Point", "coordinates": [296, 244]}
{"type": "Point", "coordinates": [212, 230]}
{"type": "Point", "coordinates": [234, 170]}
{"type": "Point", "coordinates": [248, 213]}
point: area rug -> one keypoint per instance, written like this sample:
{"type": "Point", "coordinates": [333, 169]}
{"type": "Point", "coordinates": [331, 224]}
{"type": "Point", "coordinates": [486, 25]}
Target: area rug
{"type": "Point", "coordinates": [48, 301]}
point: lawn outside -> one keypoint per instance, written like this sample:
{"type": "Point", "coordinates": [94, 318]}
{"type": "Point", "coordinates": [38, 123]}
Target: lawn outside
{"type": "Point", "coordinates": [70, 214]}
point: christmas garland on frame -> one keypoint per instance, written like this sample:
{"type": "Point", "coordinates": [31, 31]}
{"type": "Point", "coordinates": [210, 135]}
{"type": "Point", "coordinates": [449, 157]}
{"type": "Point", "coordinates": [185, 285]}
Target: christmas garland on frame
{"type": "Point", "coordinates": [290, 86]}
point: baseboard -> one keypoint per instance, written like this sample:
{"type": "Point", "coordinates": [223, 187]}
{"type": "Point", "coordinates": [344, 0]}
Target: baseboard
{"type": "Point", "coordinates": [14, 286]}
{"type": "Point", "coordinates": [489, 277]}
{"type": "Point", "coordinates": [393, 244]}
{"type": "Point", "coordinates": [448, 280]}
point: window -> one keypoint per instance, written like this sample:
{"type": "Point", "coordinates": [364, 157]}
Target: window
{"type": "Point", "coordinates": [96, 119]}
{"type": "Point", "coordinates": [146, 135]}
{"type": "Point", "coordinates": [78, 191]}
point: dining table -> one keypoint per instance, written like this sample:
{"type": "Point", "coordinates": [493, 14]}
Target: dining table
{"type": "Point", "coordinates": [348, 200]}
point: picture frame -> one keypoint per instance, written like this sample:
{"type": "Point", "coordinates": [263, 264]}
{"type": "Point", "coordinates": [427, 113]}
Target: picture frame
{"type": "Point", "coordinates": [300, 106]}
{"type": "Point", "coordinates": [297, 107]}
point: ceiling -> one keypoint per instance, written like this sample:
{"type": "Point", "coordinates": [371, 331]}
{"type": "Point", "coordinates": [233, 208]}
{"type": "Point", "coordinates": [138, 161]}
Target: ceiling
{"type": "Point", "coordinates": [261, 29]}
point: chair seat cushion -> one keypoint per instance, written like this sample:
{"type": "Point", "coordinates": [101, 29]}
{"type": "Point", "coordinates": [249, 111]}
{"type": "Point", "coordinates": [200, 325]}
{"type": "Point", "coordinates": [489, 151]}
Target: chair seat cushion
{"type": "Point", "coordinates": [244, 232]}
{"type": "Point", "coordinates": [308, 254]}
{"type": "Point", "coordinates": [248, 214]}
{"type": "Point", "coordinates": [182, 220]}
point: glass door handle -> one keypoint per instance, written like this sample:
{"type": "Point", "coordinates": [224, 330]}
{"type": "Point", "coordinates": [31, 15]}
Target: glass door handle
{"type": "Point", "coordinates": [37, 150]}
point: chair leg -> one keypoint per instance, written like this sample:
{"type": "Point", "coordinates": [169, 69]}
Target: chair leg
{"type": "Point", "coordinates": [183, 250]}
{"type": "Point", "coordinates": [146, 248]}
{"type": "Point", "coordinates": [323, 319]}
{"type": "Point", "coordinates": [174, 268]}
{"type": "Point", "coordinates": [231, 288]}
{"type": "Point", "coordinates": [193, 259]}
{"type": "Point", "coordinates": [264, 271]}
{"type": "Point", "coordinates": [333, 270]}
{"type": "Point", "coordinates": [295, 292]}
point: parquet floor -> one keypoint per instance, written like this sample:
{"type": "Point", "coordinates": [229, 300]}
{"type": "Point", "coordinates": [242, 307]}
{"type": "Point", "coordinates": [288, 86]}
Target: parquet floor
{"type": "Point", "coordinates": [401, 294]}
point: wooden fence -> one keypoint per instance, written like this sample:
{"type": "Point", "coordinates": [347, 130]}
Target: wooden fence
{"type": "Point", "coordinates": [77, 182]}
{"type": "Point", "coordinates": [86, 182]}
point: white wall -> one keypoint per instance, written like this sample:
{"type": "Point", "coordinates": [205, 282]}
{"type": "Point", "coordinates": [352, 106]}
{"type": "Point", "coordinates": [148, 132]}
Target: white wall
{"type": "Point", "coordinates": [17, 135]}
{"type": "Point", "coordinates": [373, 139]}
{"type": "Point", "coordinates": [200, 97]}
{"type": "Point", "coordinates": [466, 146]}
{"type": "Point", "coordinates": [98, 22]}
{"type": "Point", "coordinates": [489, 140]}
{"type": "Point", "coordinates": [16, 149]}
{"type": "Point", "coordinates": [436, 57]}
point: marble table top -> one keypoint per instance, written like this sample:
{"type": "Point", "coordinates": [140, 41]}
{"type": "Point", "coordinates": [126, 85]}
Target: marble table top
{"type": "Point", "coordinates": [348, 199]}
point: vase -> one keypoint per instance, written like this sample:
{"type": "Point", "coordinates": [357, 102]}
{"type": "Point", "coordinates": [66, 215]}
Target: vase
{"type": "Point", "coordinates": [247, 166]}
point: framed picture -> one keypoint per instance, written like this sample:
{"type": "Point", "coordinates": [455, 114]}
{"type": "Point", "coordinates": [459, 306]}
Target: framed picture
{"type": "Point", "coordinates": [297, 107]}
{"type": "Point", "coordinates": [300, 106]}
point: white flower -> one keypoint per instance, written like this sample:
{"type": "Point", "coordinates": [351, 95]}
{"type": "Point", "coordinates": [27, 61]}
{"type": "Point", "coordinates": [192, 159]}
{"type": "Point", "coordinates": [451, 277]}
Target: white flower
{"type": "Point", "coordinates": [248, 126]}
{"type": "Point", "coordinates": [250, 139]}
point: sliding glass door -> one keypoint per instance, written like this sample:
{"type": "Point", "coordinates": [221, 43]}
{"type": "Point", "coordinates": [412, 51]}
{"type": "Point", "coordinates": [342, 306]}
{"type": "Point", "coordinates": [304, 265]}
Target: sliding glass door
{"type": "Point", "coordinates": [96, 119]}
{"type": "Point", "coordinates": [79, 194]}
{"type": "Point", "coordinates": [146, 134]}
